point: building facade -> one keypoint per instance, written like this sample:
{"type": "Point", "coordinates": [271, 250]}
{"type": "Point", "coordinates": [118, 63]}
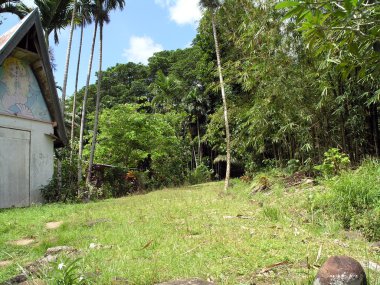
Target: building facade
{"type": "Point", "coordinates": [31, 123]}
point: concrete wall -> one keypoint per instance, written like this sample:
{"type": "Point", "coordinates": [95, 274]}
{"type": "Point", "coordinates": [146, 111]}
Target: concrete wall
{"type": "Point", "coordinates": [12, 154]}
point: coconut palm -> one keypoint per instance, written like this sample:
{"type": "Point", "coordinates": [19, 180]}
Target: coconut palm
{"type": "Point", "coordinates": [212, 6]}
{"type": "Point", "coordinates": [102, 16]}
{"type": "Point", "coordinates": [55, 15]}
{"type": "Point", "coordinates": [15, 7]}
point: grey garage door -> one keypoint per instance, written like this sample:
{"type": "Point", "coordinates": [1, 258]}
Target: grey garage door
{"type": "Point", "coordinates": [14, 168]}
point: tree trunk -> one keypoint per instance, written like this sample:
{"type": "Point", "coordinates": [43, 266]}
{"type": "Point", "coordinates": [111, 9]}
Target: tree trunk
{"type": "Point", "coordinates": [376, 133]}
{"type": "Point", "coordinates": [195, 158]}
{"type": "Point", "coordinates": [75, 92]}
{"type": "Point", "coordinates": [375, 124]}
{"type": "Point", "coordinates": [84, 107]}
{"type": "Point", "coordinates": [199, 142]}
{"type": "Point", "coordinates": [59, 175]}
{"type": "Point", "coordinates": [93, 145]}
{"type": "Point", "coordinates": [46, 34]}
{"type": "Point", "coordinates": [68, 59]}
{"type": "Point", "coordinates": [228, 150]}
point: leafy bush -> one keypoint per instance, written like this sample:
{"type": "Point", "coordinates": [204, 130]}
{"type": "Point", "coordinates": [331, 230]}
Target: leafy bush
{"type": "Point", "coordinates": [114, 182]}
{"type": "Point", "coordinates": [200, 175]}
{"type": "Point", "coordinates": [168, 167]}
{"type": "Point", "coordinates": [293, 165]}
{"type": "Point", "coordinates": [68, 191]}
{"type": "Point", "coordinates": [128, 136]}
{"type": "Point", "coordinates": [333, 163]}
{"type": "Point", "coordinates": [354, 198]}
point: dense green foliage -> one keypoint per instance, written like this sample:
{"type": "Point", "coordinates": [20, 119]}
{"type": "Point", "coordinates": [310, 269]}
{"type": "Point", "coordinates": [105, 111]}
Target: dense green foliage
{"type": "Point", "coordinates": [129, 138]}
{"type": "Point", "coordinates": [295, 89]}
{"type": "Point", "coordinates": [354, 199]}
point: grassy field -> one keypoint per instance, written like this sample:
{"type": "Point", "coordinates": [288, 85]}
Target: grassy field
{"type": "Point", "coordinates": [188, 232]}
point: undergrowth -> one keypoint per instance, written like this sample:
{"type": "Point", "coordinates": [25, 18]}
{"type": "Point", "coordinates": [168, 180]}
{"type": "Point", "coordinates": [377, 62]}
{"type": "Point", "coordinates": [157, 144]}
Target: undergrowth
{"type": "Point", "coordinates": [354, 198]}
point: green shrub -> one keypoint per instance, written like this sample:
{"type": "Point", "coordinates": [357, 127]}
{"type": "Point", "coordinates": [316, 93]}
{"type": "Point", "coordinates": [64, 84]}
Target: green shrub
{"type": "Point", "coordinates": [114, 182]}
{"type": "Point", "coordinates": [354, 198]}
{"type": "Point", "coordinates": [68, 191]}
{"type": "Point", "coordinates": [293, 165]}
{"type": "Point", "coordinates": [200, 175]}
{"type": "Point", "coordinates": [333, 163]}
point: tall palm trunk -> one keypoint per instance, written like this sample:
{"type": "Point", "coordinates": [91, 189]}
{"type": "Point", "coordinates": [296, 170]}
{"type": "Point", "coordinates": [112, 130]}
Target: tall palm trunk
{"type": "Point", "coordinates": [228, 145]}
{"type": "Point", "coordinates": [93, 145]}
{"type": "Point", "coordinates": [84, 107]}
{"type": "Point", "coordinates": [75, 91]}
{"type": "Point", "coordinates": [68, 59]}
{"type": "Point", "coordinates": [46, 34]}
{"type": "Point", "coordinates": [199, 142]}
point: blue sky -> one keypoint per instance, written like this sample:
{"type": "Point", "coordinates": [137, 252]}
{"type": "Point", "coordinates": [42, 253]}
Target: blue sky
{"type": "Point", "coordinates": [134, 34]}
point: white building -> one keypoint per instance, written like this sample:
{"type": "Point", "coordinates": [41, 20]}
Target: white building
{"type": "Point", "coordinates": [31, 123]}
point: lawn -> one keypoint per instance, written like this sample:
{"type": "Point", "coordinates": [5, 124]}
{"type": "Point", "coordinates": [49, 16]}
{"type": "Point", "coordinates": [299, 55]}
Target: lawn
{"type": "Point", "coordinates": [193, 231]}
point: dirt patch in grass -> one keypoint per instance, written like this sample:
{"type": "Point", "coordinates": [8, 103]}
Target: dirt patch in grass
{"type": "Point", "coordinates": [53, 225]}
{"type": "Point", "coordinates": [296, 179]}
{"type": "Point", "coordinates": [23, 241]}
{"type": "Point", "coordinates": [4, 263]}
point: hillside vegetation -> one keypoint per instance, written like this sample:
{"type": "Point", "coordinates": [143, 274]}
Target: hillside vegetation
{"type": "Point", "coordinates": [294, 89]}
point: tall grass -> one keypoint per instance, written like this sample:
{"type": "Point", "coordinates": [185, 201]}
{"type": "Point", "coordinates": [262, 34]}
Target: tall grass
{"type": "Point", "coordinates": [354, 198]}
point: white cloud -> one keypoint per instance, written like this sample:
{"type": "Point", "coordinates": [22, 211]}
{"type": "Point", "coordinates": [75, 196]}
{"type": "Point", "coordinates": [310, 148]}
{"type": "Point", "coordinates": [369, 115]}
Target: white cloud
{"type": "Point", "coordinates": [182, 12]}
{"type": "Point", "coordinates": [141, 48]}
{"type": "Point", "coordinates": [185, 12]}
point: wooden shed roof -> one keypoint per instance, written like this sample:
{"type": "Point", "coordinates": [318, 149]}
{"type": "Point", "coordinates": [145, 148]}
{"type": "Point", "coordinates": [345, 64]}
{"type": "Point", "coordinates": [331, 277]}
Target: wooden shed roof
{"type": "Point", "coordinates": [25, 40]}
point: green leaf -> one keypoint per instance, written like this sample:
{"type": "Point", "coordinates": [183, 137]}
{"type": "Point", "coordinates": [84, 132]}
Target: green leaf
{"type": "Point", "coordinates": [293, 12]}
{"type": "Point", "coordinates": [286, 4]}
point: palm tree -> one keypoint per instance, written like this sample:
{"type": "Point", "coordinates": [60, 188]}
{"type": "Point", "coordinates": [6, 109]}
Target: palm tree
{"type": "Point", "coordinates": [166, 91]}
{"type": "Point", "coordinates": [102, 11]}
{"type": "Point", "coordinates": [15, 7]}
{"type": "Point", "coordinates": [65, 75]}
{"type": "Point", "coordinates": [213, 6]}
{"type": "Point", "coordinates": [85, 14]}
{"type": "Point", "coordinates": [84, 104]}
{"type": "Point", "coordinates": [55, 15]}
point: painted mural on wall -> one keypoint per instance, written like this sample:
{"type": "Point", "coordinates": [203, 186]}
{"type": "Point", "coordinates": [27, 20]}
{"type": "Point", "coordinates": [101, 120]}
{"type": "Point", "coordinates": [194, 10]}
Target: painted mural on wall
{"type": "Point", "coordinates": [20, 94]}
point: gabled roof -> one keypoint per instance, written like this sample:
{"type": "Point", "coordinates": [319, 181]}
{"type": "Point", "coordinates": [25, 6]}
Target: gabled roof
{"type": "Point", "coordinates": [28, 37]}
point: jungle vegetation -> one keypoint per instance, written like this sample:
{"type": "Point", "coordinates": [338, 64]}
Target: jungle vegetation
{"type": "Point", "coordinates": [300, 78]}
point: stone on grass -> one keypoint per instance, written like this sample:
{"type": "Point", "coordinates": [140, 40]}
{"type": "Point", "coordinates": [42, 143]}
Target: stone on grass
{"type": "Point", "coordinates": [191, 281]}
{"type": "Point", "coordinates": [341, 270]}
{"type": "Point", "coordinates": [59, 249]}
{"type": "Point", "coordinates": [53, 225]}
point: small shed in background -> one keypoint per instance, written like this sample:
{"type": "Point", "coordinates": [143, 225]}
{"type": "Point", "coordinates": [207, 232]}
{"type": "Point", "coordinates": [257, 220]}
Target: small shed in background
{"type": "Point", "coordinates": [31, 122]}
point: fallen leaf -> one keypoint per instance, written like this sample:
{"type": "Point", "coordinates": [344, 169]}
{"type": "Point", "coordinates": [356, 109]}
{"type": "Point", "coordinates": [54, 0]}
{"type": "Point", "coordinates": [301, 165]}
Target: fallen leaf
{"type": "Point", "coordinates": [148, 244]}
